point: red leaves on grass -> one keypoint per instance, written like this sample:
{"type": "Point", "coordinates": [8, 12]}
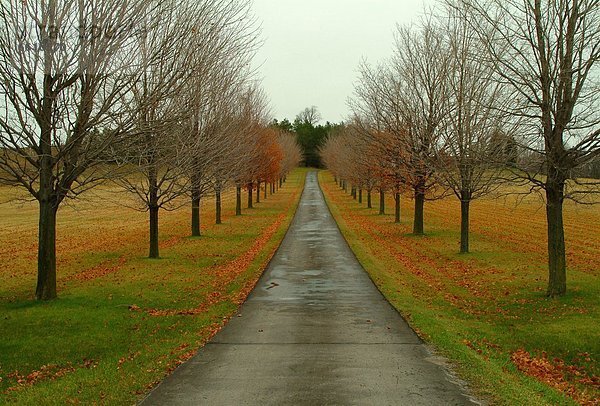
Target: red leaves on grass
{"type": "Point", "coordinates": [494, 290]}
{"type": "Point", "coordinates": [46, 372]}
{"type": "Point", "coordinates": [100, 270]}
{"type": "Point", "coordinates": [182, 357]}
{"type": "Point", "coordinates": [555, 373]}
{"type": "Point", "coordinates": [224, 275]}
{"type": "Point", "coordinates": [129, 357]}
{"type": "Point", "coordinates": [256, 248]}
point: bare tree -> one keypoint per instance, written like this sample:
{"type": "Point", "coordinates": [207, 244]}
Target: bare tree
{"type": "Point", "coordinates": [157, 152]}
{"type": "Point", "coordinates": [65, 68]}
{"type": "Point", "coordinates": [470, 157]}
{"type": "Point", "coordinates": [309, 115]}
{"type": "Point", "coordinates": [401, 106]}
{"type": "Point", "coordinates": [292, 154]}
{"type": "Point", "coordinates": [348, 154]}
{"type": "Point", "coordinates": [253, 116]}
{"type": "Point", "coordinates": [235, 145]}
{"type": "Point", "coordinates": [392, 158]}
{"type": "Point", "coordinates": [220, 73]}
{"type": "Point", "coordinates": [417, 103]}
{"type": "Point", "coordinates": [546, 53]}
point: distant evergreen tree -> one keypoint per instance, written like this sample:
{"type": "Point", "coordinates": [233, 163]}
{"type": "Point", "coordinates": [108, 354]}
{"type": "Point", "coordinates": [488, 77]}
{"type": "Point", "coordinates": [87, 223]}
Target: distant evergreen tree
{"type": "Point", "coordinates": [309, 134]}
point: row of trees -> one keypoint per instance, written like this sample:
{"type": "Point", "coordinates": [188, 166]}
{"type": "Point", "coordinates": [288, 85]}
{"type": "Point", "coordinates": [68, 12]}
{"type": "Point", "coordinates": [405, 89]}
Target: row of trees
{"type": "Point", "coordinates": [481, 94]}
{"type": "Point", "coordinates": [153, 95]}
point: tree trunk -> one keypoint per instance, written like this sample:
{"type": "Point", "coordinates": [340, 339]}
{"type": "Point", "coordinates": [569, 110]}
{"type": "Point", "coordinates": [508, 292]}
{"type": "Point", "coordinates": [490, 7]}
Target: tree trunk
{"type": "Point", "coordinates": [48, 203]}
{"type": "Point", "coordinates": [258, 192]}
{"type": "Point", "coordinates": [369, 203]}
{"type": "Point", "coordinates": [418, 227]}
{"type": "Point", "coordinates": [280, 182]}
{"type": "Point", "coordinates": [353, 192]}
{"type": "Point", "coordinates": [196, 212]}
{"type": "Point", "coordinates": [153, 252]}
{"type": "Point", "coordinates": [46, 280]}
{"type": "Point", "coordinates": [218, 206]}
{"type": "Point", "coordinates": [397, 208]}
{"type": "Point", "coordinates": [360, 195]}
{"type": "Point", "coordinates": [238, 200]}
{"type": "Point", "coordinates": [153, 208]}
{"type": "Point", "coordinates": [265, 195]}
{"type": "Point", "coordinates": [250, 195]}
{"type": "Point", "coordinates": [465, 201]}
{"type": "Point", "coordinates": [381, 201]}
{"type": "Point", "coordinates": [557, 263]}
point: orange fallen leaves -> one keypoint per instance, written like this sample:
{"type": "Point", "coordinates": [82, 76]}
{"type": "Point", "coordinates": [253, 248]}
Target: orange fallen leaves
{"type": "Point", "coordinates": [553, 373]}
{"type": "Point", "coordinates": [129, 357]}
{"type": "Point", "coordinates": [46, 372]}
{"type": "Point", "coordinates": [98, 271]}
{"type": "Point", "coordinates": [225, 274]}
{"type": "Point", "coordinates": [103, 247]}
{"type": "Point", "coordinates": [486, 287]}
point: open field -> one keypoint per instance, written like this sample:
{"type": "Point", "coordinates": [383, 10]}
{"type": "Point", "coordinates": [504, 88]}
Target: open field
{"type": "Point", "coordinates": [486, 311]}
{"type": "Point", "coordinates": [123, 321]}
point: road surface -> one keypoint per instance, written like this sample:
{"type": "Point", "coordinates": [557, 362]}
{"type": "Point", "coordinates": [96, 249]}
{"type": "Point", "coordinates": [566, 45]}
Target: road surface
{"type": "Point", "coordinates": [315, 331]}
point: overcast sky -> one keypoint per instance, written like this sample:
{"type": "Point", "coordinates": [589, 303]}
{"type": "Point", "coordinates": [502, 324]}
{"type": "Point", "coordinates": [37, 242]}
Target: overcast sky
{"type": "Point", "coordinates": [313, 47]}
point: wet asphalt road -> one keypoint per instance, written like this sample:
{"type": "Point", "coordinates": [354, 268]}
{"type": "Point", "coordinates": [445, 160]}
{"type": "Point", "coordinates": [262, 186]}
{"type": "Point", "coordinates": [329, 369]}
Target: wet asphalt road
{"type": "Point", "coordinates": [315, 331]}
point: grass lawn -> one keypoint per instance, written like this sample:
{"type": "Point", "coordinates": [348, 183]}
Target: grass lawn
{"type": "Point", "coordinates": [486, 311]}
{"type": "Point", "coordinates": [122, 321]}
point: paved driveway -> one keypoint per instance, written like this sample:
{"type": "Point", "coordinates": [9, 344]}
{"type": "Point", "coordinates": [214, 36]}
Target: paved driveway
{"type": "Point", "coordinates": [315, 331]}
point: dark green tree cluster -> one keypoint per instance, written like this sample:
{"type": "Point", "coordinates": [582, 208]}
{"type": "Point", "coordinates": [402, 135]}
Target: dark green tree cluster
{"type": "Point", "coordinates": [310, 135]}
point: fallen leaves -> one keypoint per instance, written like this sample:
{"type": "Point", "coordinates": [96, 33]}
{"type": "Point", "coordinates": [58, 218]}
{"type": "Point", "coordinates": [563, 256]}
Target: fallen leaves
{"type": "Point", "coordinates": [496, 291]}
{"type": "Point", "coordinates": [127, 358]}
{"type": "Point", "coordinates": [225, 274]}
{"type": "Point", "coordinates": [46, 372]}
{"type": "Point", "coordinates": [555, 372]}
{"type": "Point", "coordinates": [102, 256]}
{"type": "Point", "coordinates": [98, 271]}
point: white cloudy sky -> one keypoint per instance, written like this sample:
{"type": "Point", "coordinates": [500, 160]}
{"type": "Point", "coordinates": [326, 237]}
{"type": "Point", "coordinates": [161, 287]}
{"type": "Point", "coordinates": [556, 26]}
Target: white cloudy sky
{"type": "Point", "coordinates": [312, 48]}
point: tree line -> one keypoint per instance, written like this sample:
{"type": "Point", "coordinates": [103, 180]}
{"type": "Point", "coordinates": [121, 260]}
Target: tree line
{"type": "Point", "coordinates": [154, 96]}
{"type": "Point", "coordinates": [310, 135]}
{"type": "Point", "coordinates": [476, 95]}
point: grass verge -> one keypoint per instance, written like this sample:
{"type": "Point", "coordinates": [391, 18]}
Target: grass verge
{"type": "Point", "coordinates": [486, 311]}
{"type": "Point", "coordinates": [122, 322]}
